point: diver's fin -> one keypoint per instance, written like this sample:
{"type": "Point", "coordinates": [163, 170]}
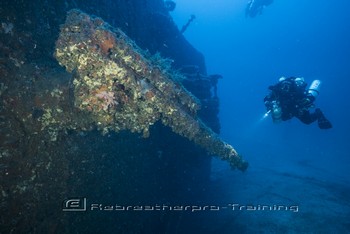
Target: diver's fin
{"type": "Point", "coordinates": [323, 123]}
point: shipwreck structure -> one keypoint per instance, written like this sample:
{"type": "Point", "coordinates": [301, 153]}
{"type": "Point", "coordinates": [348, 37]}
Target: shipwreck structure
{"type": "Point", "coordinates": [154, 142]}
{"type": "Point", "coordinates": [120, 87]}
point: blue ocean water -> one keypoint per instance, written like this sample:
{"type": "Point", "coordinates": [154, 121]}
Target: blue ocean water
{"type": "Point", "coordinates": [290, 163]}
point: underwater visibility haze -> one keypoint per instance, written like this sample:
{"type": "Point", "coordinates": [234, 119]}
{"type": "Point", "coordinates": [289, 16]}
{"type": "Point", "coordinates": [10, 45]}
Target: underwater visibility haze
{"type": "Point", "coordinates": [150, 116]}
{"type": "Point", "coordinates": [289, 161]}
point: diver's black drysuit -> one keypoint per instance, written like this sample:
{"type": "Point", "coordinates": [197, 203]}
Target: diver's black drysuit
{"type": "Point", "coordinates": [294, 101]}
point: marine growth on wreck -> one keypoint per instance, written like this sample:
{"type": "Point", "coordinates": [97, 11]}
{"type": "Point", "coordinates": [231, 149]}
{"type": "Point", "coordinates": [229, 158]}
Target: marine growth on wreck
{"type": "Point", "coordinates": [117, 86]}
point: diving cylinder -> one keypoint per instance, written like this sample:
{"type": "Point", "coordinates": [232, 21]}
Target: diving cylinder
{"type": "Point", "coordinates": [314, 88]}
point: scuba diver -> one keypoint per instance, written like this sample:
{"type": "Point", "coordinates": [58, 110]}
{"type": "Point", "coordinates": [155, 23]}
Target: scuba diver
{"type": "Point", "coordinates": [255, 7]}
{"type": "Point", "coordinates": [289, 98]}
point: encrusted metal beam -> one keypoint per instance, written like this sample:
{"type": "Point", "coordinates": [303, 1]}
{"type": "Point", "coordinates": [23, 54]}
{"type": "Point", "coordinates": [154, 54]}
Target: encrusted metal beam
{"type": "Point", "coordinates": [120, 87]}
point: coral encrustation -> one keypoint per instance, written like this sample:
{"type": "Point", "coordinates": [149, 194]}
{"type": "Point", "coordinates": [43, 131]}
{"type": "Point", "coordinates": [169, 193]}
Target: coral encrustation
{"type": "Point", "coordinates": [120, 87]}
